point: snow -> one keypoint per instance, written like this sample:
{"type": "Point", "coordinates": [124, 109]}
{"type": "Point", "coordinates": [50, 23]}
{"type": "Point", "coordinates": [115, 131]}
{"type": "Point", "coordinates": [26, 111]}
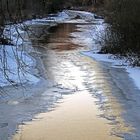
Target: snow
{"type": "Point", "coordinates": [66, 16]}
{"type": "Point", "coordinates": [75, 21]}
{"type": "Point", "coordinates": [43, 21]}
{"type": "Point", "coordinates": [12, 32]}
{"type": "Point", "coordinates": [15, 66]}
{"type": "Point", "coordinates": [134, 73]}
{"type": "Point", "coordinates": [15, 61]}
{"type": "Point", "coordinates": [60, 17]}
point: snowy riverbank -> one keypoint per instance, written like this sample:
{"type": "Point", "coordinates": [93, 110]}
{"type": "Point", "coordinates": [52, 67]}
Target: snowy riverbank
{"type": "Point", "coordinates": [16, 62]}
{"type": "Point", "coordinates": [134, 72]}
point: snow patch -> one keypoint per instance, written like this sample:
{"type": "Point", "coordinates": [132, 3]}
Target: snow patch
{"type": "Point", "coordinates": [15, 66]}
{"type": "Point", "coordinates": [15, 61]}
{"type": "Point", "coordinates": [134, 72]}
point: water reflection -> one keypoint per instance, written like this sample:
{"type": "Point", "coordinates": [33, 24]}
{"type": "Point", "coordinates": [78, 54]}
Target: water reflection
{"type": "Point", "coordinates": [75, 118]}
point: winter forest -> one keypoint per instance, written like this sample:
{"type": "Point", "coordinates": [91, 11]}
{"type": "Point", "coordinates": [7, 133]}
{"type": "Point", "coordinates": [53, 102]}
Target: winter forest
{"type": "Point", "coordinates": [69, 70]}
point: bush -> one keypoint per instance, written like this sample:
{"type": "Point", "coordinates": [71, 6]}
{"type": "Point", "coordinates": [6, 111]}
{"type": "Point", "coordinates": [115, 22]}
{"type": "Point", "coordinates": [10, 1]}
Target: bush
{"type": "Point", "coordinates": [124, 36]}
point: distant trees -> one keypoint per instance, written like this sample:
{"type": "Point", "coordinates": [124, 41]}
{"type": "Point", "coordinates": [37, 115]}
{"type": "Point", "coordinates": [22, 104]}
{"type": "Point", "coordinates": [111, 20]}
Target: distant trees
{"type": "Point", "coordinates": [20, 9]}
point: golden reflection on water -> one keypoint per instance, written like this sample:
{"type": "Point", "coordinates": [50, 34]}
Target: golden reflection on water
{"type": "Point", "coordinates": [75, 119]}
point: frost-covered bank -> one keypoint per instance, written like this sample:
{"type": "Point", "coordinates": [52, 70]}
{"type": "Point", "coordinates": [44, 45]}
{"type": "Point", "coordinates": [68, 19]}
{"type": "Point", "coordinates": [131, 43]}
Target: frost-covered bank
{"type": "Point", "coordinates": [134, 72]}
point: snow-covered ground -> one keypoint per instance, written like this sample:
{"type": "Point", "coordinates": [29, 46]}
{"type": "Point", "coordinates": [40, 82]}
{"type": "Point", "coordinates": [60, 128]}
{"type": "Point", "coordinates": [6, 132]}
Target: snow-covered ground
{"type": "Point", "coordinates": [15, 61]}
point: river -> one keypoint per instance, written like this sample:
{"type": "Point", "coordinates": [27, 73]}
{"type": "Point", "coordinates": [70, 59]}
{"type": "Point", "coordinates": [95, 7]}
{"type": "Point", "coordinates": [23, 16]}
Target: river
{"type": "Point", "coordinates": [87, 101]}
